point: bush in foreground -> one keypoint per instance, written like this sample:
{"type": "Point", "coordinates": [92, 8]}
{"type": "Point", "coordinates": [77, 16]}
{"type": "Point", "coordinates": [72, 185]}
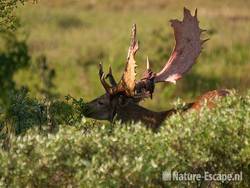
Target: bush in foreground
{"type": "Point", "coordinates": [131, 156]}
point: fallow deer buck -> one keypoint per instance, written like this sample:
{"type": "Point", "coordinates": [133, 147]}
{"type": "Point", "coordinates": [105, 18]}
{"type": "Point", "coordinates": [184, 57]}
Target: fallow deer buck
{"type": "Point", "coordinates": [121, 99]}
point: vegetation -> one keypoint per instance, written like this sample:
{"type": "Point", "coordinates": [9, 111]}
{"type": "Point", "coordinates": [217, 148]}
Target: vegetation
{"type": "Point", "coordinates": [90, 155]}
{"type": "Point", "coordinates": [49, 52]}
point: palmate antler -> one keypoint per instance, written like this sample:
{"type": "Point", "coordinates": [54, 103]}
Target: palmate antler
{"type": "Point", "coordinates": [187, 48]}
{"type": "Point", "coordinates": [127, 82]}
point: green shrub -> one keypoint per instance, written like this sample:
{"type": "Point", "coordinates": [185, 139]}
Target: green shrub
{"type": "Point", "coordinates": [119, 155]}
{"type": "Point", "coordinates": [25, 112]}
{"type": "Point", "coordinates": [14, 57]}
{"type": "Point", "coordinates": [8, 19]}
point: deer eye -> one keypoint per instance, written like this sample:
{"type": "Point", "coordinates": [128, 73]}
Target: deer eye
{"type": "Point", "coordinates": [100, 103]}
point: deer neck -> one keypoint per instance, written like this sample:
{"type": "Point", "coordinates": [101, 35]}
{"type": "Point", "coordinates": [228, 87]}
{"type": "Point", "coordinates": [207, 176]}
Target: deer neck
{"type": "Point", "coordinates": [136, 113]}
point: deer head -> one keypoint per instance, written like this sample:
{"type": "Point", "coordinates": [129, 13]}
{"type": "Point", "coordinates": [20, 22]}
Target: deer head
{"type": "Point", "coordinates": [122, 99]}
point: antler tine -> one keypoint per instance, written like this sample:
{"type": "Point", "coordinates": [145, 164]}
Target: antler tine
{"type": "Point", "coordinates": [203, 41]}
{"type": "Point", "coordinates": [103, 81]}
{"type": "Point", "coordinates": [100, 70]}
{"type": "Point", "coordinates": [134, 44]}
{"type": "Point", "coordinates": [203, 30]}
{"type": "Point", "coordinates": [133, 36]}
{"type": "Point", "coordinates": [148, 64]}
{"type": "Point", "coordinates": [195, 13]}
{"type": "Point", "coordinates": [111, 77]}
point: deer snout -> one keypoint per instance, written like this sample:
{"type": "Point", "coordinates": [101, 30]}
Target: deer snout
{"type": "Point", "coordinates": [91, 109]}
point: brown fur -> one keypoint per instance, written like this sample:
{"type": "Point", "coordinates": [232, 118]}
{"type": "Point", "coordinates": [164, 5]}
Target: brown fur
{"type": "Point", "coordinates": [126, 110]}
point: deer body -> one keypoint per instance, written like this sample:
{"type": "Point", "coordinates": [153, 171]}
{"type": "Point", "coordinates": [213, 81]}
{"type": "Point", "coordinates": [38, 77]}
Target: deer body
{"type": "Point", "coordinates": [122, 99]}
{"type": "Point", "coordinates": [129, 111]}
{"type": "Point", "coordinates": [136, 113]}
{"type": "Point", "coordinates": [126, 110]}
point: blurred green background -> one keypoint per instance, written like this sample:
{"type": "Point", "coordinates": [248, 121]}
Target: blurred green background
{"type": "Point", "coordinates": [76, 35]}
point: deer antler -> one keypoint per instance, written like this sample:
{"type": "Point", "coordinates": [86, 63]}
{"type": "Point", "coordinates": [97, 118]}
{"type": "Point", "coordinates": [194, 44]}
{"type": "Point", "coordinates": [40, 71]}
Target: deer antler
{"type": "Point", "coordinates": [127, 82]}
{"type": "Point", "coordinates": [111, 77]}
{"type": "Point", "coordinates": [128, 77]}
{"type": "Point", "coordinates": [187, 48]}
{"type": "Point", "coordinates": [103, 81]}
